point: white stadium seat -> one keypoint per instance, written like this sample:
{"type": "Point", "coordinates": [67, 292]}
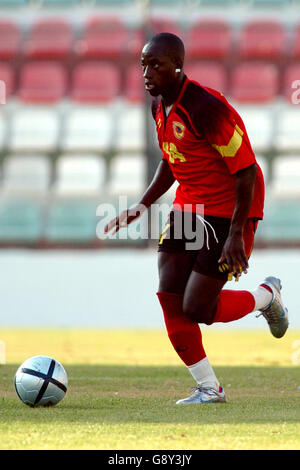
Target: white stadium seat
{"type": "Point", "coordinates": [259, 126]}
{"type": "Point", "coordinates": [26, 174]}
{"type": "Point", "coordinates": [34, 129]}
{"type": "Point", "coordinates": [88, 129]}
{"type": "Point", "coordinates": [287, 129]}
{"type": "Point", "coordinates": [130, 133]}
{"type": "Point", "coordinates": [79, 175]}
{"type": "Point", "coordinates": [286, 176]}
{"type": "Point", "coordinates": [128, 175]}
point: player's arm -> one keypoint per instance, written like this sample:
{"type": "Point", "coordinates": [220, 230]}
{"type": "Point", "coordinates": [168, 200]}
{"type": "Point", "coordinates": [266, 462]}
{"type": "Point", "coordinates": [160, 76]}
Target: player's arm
{"type": "Point", "coordinates": [162, 181]}
{"type": "Point", "coordinates": [233, 250]}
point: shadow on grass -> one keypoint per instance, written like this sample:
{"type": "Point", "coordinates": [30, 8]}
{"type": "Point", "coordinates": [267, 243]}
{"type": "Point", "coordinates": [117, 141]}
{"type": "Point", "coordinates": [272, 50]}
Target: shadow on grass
{"type": "Point", "coordinates": [129, 394]}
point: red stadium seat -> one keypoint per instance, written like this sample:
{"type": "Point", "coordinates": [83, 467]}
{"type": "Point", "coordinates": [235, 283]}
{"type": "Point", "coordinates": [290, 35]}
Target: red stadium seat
{"type": "Point", "coordinates": [295, 46]}
{"type": "Point", "coordinates": [95, 82]}
{"type": "Point", "coordinates": [10, 40]}
{"type": "Point", "coordinates": [208, 74]}
{"type": "Point", "coordinates": [209, 39]}
{"type": "Point", "coordinates": [255, 82]}
{"type": "Point", "coordinates": [262, 40]}
{"type": "Point", "coordinates": [42, 82]}
{"type": "Point", "coordinates": [7, 75]}
{"type": "Point", "coordinates": [104, 38]}
{"type": "Point", "coordinates": [49, 39]}
{"type": "Point", "coordinates": [134, 89]}
{"type": "Point", "coordinates": [290, 76]}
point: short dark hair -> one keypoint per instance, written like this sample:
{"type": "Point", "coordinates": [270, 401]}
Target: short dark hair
{"type": "Point", "coordinates": [172, 43]}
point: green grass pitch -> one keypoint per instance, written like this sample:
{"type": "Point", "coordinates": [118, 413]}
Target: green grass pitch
{"type": "Point", "coordinates": [123, 386]}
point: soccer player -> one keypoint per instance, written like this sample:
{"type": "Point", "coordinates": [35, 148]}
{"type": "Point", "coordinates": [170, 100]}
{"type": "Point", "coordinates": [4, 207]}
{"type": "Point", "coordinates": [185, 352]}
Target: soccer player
{"type": "Point", "coordinates": [205, 147]}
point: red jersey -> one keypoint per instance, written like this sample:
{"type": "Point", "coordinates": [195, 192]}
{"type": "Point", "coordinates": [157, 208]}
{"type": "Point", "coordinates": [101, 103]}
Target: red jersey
{"type": "Point", "coordinates": [205, 142]}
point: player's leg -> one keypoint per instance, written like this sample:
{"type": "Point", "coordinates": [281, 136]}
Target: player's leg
{"type": "Point", "coordinates": [175, 266]}
{"type": "Point", "coordinates": [205, 300]}
{"type": "Point", "coordinates": [184, 334]}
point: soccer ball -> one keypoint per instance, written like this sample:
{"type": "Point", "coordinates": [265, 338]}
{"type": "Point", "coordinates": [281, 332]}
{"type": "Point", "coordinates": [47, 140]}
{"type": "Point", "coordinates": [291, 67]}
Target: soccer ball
{"type": "Point", "coordinates": [41, 381]}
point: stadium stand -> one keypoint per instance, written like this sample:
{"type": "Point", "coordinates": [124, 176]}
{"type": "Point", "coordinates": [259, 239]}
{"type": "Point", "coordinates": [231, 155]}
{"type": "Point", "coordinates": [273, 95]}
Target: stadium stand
{"type": "Point", "coordinates": [42, 82]}
{"type": "Point", "coordinates": [127, 175]}
{"type": "Point", "coordinates": [34, 129]}
{"type": "Point", "coordinates": [79, 175]}
{"type": "Point", "coordinates": [208, 73]}
{"type": "Point", "coordinates": [71, 220]}
{"type": "Point", "coordinates": [94, 82]}
{"type": "Point", "coordinates": [7, 75]}
{"type": "Point", "coordinates": [26, 175]}
{"type": "Point", "coordinates": [255, 82]}
{"type": "Point", "coordinates": [73, 132]}
{"type": "Point", "coordinates": [87, 129]}
{"type": "Point", "coordinates": [260, 39]}
{"type": "Point", "coordinates": [209, 39]}
{"type": "Point", "coordinates": [10, 39]}
{"type": "Point", "coordinates": [21, 221]}
{"type": "Point", "coordinates": [103, 37]}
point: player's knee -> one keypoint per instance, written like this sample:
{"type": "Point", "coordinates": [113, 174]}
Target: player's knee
{"type": "Point", "coordinates": [199, 313]}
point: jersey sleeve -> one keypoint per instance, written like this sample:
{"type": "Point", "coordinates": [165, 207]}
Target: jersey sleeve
{"type": "Point", "coordinates": [226, 133]}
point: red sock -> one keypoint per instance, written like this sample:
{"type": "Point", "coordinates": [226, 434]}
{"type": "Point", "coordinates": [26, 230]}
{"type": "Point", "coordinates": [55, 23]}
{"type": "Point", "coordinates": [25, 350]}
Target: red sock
{"type": "Point", "coordinates": [184, 334]}
{"type": "Point", "coordinates": [233, 305]}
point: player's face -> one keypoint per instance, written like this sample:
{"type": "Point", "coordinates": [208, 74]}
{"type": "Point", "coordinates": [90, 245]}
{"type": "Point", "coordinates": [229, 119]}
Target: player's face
{"type": "Point", "coordinates": [158, 70]}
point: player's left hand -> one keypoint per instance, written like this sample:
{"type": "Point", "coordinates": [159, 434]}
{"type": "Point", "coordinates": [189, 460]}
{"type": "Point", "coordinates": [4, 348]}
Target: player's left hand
{"type": "Point", "coordinates": [234, 255]}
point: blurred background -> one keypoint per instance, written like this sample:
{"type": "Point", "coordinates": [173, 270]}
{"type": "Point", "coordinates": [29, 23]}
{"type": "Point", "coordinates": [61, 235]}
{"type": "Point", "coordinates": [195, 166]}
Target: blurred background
{"type": "Point", "coordinates": [76, 132]}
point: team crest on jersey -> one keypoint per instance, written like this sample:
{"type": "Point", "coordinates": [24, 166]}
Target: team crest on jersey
{"type": "Point", "coordinates": [178, 129]}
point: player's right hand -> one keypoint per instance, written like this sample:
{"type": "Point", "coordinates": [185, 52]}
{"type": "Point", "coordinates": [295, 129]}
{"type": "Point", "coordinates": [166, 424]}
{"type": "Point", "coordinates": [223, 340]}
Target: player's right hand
{"type": "Point", "coordinates": [125, 218]}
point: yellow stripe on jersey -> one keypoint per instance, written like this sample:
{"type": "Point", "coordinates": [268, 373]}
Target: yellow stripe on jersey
{"type": "Point", "coordinates": [234, 144]}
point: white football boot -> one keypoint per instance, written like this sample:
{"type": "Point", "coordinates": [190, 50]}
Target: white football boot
{"type": "Point", "coordinates": [204, 395]}
{"type": "Point", "coordinates": [275, 312]}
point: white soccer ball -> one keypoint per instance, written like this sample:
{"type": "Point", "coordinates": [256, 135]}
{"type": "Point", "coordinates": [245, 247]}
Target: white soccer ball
{"type": "Point", "coordinates": [41, 381]}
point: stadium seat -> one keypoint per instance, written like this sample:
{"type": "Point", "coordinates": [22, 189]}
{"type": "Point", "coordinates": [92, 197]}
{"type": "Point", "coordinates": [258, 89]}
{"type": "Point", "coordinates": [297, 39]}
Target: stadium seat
{"type": "Point", "coordinates": [42, 82]}
{"type": "Point", "coordinates": [259, 122]}
{"type": "Point", "coordinates": [7, 75]}
{"type": "Point", "coordinates": [281, 221]}
{"type": "Point", "coordinates": [3, 129]}
{"type": "Point", "coordinates": [127, 175]}
{"type": "Point", "coordinates": [286, 176]}
{"type": "Point", "coordinates": [13, 3]}
{"type": "Point", "coordinates": [21, 221]}
{"type": "Point", "coordinates": [102, 38]}
{"type": "Point", "coordinates": [287, 136]}
{"type": "Point", "coordinates": [130, 129]}
{"type": "Point", "coordinates": [255, 82]}
{"type": "Point", "coordinates": [10, 40]}
{"type": "Point", "coordinates": [34, 129]}
{"type": "Point", "coordinates": [208, 74]}
{"type": "Point", "coordinates": [135, 43]}
{"type": "Point", "coordinates": [49, 39]}
{"type": "Point", "coordinates": [291, 83]}
{"type": "Point", "coordinates": [88, 129]}
{"type": "Point", "coordinates": [60, 3]}
{"type": "Point", "coordinates": [71, 220]}
{"type": "Point", "coordinates": [134, 89]}
{"type": "Point", "coordinates": [295, 44]}
{"type": "Point", "coordinates": [79, 175]}
{"type": "Point", "coordinates": [26, 174]}
{"type": "Point", "coordinates": [262, 39]}
{"type": "Point", "coordinates": [95, 82]}
{"type": "Point", "coordinates": [208, 39]}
